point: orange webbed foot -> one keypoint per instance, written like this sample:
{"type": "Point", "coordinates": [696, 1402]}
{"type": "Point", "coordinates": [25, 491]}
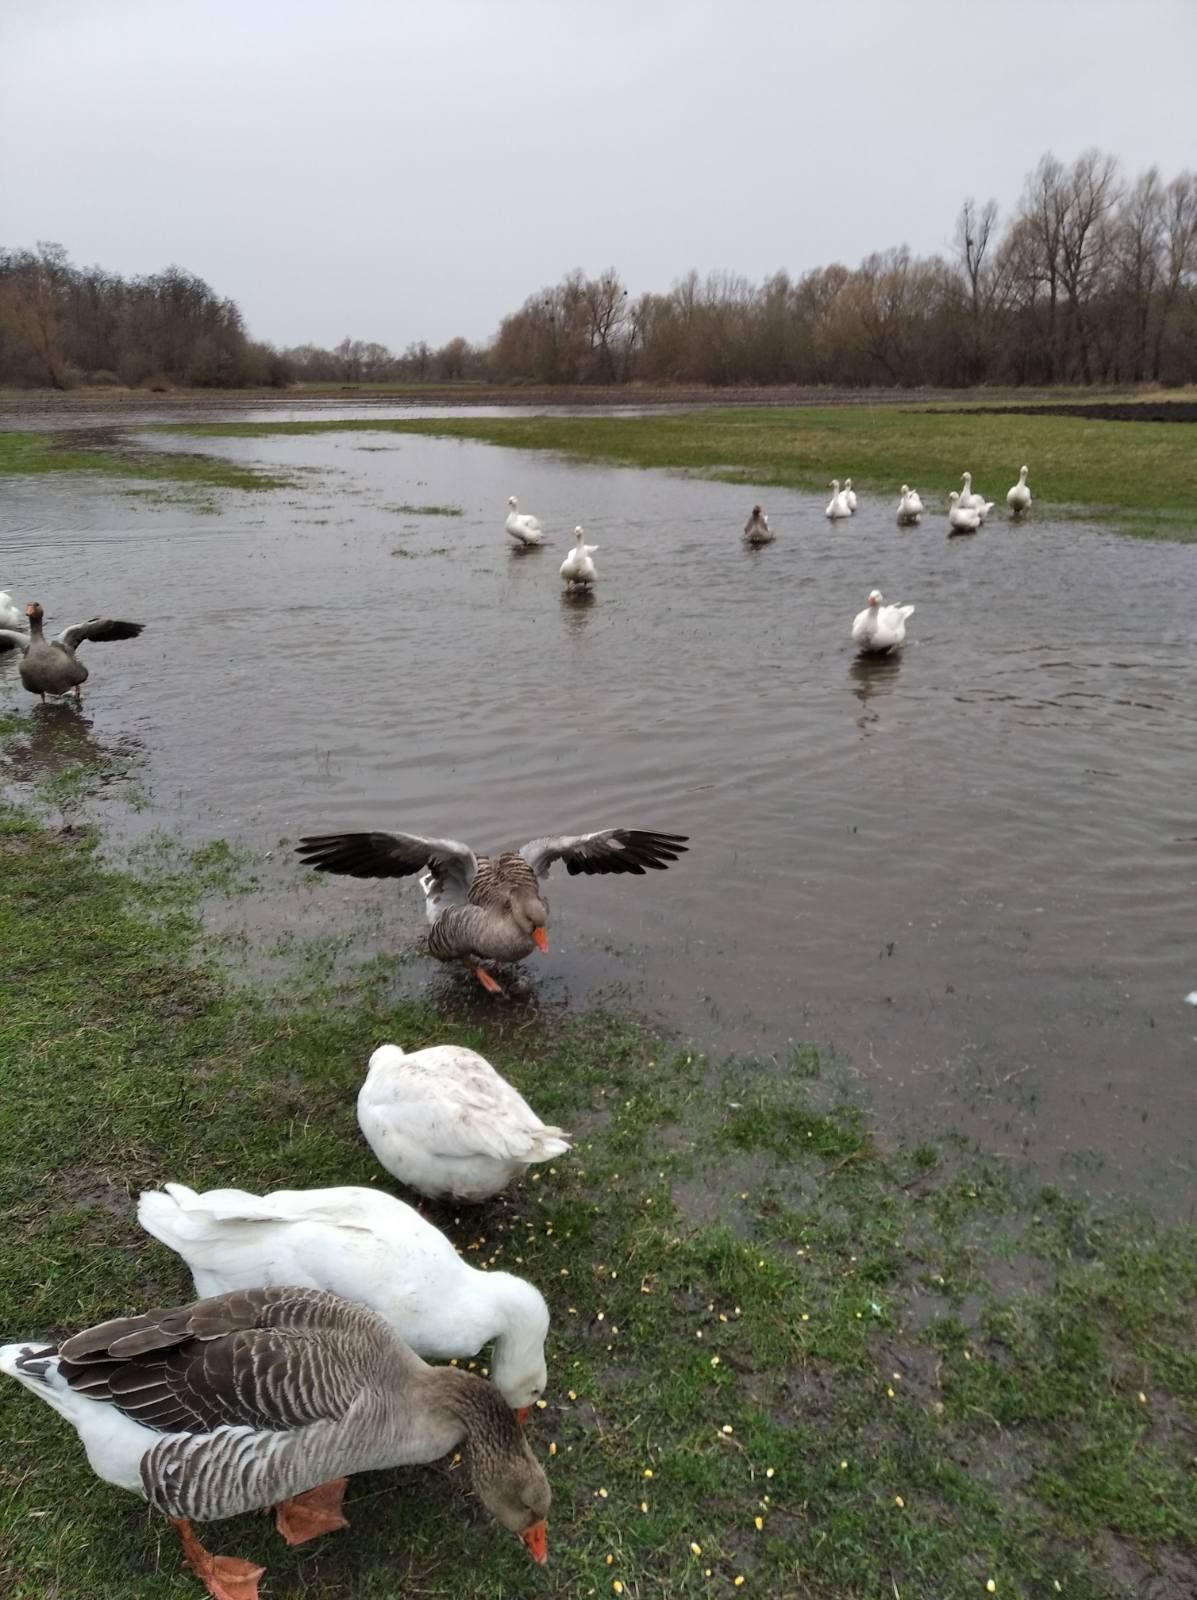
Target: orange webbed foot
{"type": "Point", "coordinates": [307, 1516]}
{"type": "Point", "coordinates": [224, 1577]}
{"type": "Point", "coordinates": [485, 979]}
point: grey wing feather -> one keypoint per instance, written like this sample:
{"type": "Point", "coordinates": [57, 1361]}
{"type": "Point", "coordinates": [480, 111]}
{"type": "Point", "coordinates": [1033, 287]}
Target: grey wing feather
{"type": "Point", "coordinates": [253, 1358]}
{"type": "Point", "coordinates": [609, 850]}
{"type": "Point", "coordinates": [13, 639]}
{"type": "Point", "coordinates": [98, 629]}
{"type": "Point", "coordinates": [390, 855]}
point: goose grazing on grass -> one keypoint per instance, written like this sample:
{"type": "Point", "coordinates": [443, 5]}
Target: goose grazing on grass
{"type": "Point", "coordinates": [50, 666]}
{"type": "Point", "coordinates": [366, 1245]}
{"type": "Point", "coordinates": [962, 518]}
{"type": "Point", "coordinates": [578, 569]}
{"type": "Point", "coordinates": [523, 529]}
{"type": "Point", "coordinates": [757, 529]}
{"type": "Point", "coordinates": [1018, 496]}
{"type": "Point", "coordinates": [837, 506]}
{"type": "Point", "coordinates": [850, 495]}
{"type": "Point", "coordinates": [444, 1122]}
{"type": "Point", "coordinates": [10, 617]}
{"type": "Point", "coordinates": [879, 628]}
{"type": "Point", "coordinates": [487, 908]}
{"type": "Point", "coordinates": [910, 506]}
{"type": "Point", "coordinates": [272, 1397]}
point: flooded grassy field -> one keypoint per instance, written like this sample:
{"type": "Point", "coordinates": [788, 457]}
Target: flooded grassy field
{"type": "Point", "coordinates": [969, 872]}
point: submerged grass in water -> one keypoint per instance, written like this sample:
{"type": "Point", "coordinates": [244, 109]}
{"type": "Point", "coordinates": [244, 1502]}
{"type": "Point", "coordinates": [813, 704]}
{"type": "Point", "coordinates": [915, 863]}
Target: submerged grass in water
{"type": "Point", "coordinates": [782, 1351]}
{"type": "Point", "coordinates": [172, 472]}
{"type": "Point", "coordinates": [1141, 475]}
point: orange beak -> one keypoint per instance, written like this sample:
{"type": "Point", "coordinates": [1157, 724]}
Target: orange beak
{"type": "Point", "coordinates": [537, 1539]}
{"type": "Point", "coordinates": [522, 1413]}
{"type": "Point", "coordinates": [541, 940]}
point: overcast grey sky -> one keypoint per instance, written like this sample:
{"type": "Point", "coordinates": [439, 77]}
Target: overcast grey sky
{"type": "Point", "coordinates": [394, 170]}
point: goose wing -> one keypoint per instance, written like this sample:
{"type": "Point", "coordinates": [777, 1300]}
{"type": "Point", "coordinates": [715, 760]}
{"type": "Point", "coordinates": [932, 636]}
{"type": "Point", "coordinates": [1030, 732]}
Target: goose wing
{"type": "Point", "coordinates": [266, 1359]}
{"type": "Point", "coordinates": [458, 1106]}
{"type": "Point", "coordinates": [391, 855]}
{"type": "Point", "coordinates": [99, 630]}
{"type": "Point", "coordinates": [13, 639]}
{"type": "Point", "coordinates": [608, 850]}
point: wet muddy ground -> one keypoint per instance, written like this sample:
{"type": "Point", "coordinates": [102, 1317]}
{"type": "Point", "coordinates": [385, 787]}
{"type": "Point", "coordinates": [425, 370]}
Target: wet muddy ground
{"type": "Point", "coordinates": [970, 870]}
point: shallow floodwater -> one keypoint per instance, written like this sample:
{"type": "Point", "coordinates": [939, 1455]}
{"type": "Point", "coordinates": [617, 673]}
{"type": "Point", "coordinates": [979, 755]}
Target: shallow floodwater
{"type": "Point", "coordinates": [971, 870]}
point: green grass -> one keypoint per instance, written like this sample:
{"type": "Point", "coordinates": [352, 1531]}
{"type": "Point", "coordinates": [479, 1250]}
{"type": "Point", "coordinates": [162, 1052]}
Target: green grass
{"type": "Point", "coordinates": [917, 1370]}
{"type": "Point", "coordinates": [1140, 475]}
{"type": "Point", "coordinates": [171, 473]}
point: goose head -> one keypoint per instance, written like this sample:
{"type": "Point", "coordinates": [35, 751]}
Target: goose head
{"type": "Point", "coordinates": [512, 502]}
{"type": "Point", "coordinates": [34, 612]}
{"type": "Point", "coordinates": [967, 480]}
{"type": "Point", "coordinates": [834, 484]}
{"type": "Point", "coordinates": [530, 915]}
{"type": "Point", "coordinates": [875, 597]}
{"type": "Point", "coordinates": [511, 1483]}
{"type": "Point", "coordinates": [578, 535]}
{"type": "Point", "coordinates": [1022, 474]}
{"type": "Point", "coordinates": [847, 483]}
{"type": "Point", "coordinates": [756, 511]}
{"type": "Point", "coordinates": [954, 496]}
{"type": "Point", "coordinates": [905, 489]}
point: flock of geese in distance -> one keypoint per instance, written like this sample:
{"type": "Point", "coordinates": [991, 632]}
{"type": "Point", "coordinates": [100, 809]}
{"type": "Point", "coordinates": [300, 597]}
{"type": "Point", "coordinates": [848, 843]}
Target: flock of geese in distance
{"type": "Point", "coordinates": [306, 1359]}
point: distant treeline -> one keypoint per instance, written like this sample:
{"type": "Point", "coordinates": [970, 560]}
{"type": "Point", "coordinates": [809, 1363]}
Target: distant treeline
{"type": "Point", "coordinates": [62, 325]}
{"type": "Point", "coordinates": [1092, 279]}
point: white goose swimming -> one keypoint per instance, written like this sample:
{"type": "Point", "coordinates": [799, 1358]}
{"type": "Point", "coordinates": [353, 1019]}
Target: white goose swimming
{"type": "Point", "coordinates": [837, 506]}
{"type": "Point", "coordinates": [880, 628]}
{"type": "Point", "coordinates": [577, 570]}
{"type": "Point", "coordinates": [972, 501]}
{"type": "Point", "coordinates": [910, 506]}
{"type": "Point", "coordinates": [273, 1397]}
{"type": "Point", "coordinates": [10, 615]}
{"type": "Point", "coordinates": [444, 1122]}
{"type": "Point", "coordinates": [366, 1245]}
{"type": "Point", "coordinates": [522, 527]}
{"type": "Point", "coordinates": [1018, 496]}
{"type": "Point", "coordinates": [962, 518]}
{"type": "Point", "coordinates": [850, 495]}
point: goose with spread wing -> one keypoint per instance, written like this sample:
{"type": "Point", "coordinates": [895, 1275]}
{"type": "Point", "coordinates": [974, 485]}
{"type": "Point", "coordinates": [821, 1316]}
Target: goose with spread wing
{"type": "Point", "coordinates": [273, 1397]}
{"type": "Point", "coordinates": [488, 908]}
{"type": "Point", "coordinates": [11, 618]}
{"type": "Point", "coordinates": [50, 666]}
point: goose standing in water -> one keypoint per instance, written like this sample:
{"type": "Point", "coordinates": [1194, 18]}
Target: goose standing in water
{"type": "Point", "coordinates": [577, 570]}
{"type": "Point", "coordinates": [444, 1122]}
{"type": "Point", "coordinates": [910, 506]}
{"type": "Point", "coordinates": [971, 501]}
{"type": "Point", "coordinates": [487, 908]}
{"type": "Point", "coordinates": [524, 529]}
{"type": "Point", "coordinates": [962, 518]}
{"type": "Point", "coordinates": [366, 1245]}
{"type": "Point", "coordinates": [879, 628]}
{"type": "Point", "coordinates": [273, 1397]}
{"type": "Point", "coordinates": [50, 666]}
{"type": "Point", "coordinates": [1018, 496]}
{"type": "Point", "coordinates": [757, 529]}
{"type": "Point", "coordinates": [850, 495]}
{"type": "Point", "coordinates": [10, 617]}
{"type": "Point", "coordinates": [837, 506]}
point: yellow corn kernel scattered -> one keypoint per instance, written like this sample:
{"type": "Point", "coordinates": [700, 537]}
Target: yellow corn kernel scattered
{"type": "Point", "coordinates": [695, 1549]}
{"type": "Point", "coordinates": [899, 1502]}
{"type": "Point", "coordinates": [758, 1523]}
{"type": "Point", "coordinates": [991, 1587]}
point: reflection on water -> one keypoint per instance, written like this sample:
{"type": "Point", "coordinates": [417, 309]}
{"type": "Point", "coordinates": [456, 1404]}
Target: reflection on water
{"type": "Point", "coordinates": [970, 866]}
{"type": "Point", "coordinates": [60, 742]}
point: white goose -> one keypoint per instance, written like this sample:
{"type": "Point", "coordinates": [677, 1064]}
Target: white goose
{"type": "Point", "coordinates": [524, 529]}
{"type": "Point", "coordinates": [837, 506]}
{"type": "Point", "coordinates": [365, 1245]}
{"type": "Point", "coordinates": [910, 506]}
{"type": "Point", "coordinates": [880, 628]}
{"type": "Point", "coordinates": [963, 519]}
{"type": "Point", "coordinates": [272, 1397]}
{"type": "Point", "coordinates": [1018, 496]}
{"type": "Point", "coordinates": [10, 616]}
{"type": "Point", "coordinates": [850, 495]}
{"type": "Point", "coordinates": [972, 501]}
{"type": "Point", "coordinates": [444, 1122]}
{"type": "Point", "coordinates": [578, 569]}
